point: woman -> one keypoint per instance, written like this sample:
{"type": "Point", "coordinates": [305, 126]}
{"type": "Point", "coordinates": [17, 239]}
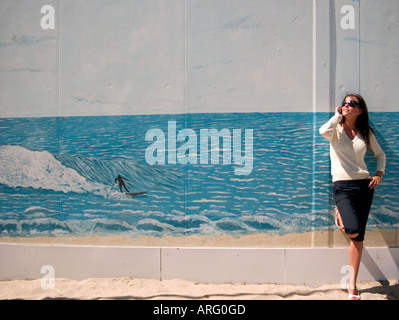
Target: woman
{"type": "Point", "coordinates": [350, 137]}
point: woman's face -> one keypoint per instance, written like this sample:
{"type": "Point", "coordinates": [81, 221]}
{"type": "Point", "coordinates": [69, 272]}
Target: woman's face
{"type": "Point", "coordinates": [350, 107]}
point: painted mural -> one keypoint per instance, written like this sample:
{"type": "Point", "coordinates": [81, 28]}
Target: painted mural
{"type": "Point", "coordinates": [145, 124]}
{"type": "Point", "coordinates": [65, 184]}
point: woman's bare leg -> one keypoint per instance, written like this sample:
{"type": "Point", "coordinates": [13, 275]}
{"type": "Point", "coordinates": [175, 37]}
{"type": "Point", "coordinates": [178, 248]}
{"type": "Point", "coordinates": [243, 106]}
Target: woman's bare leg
{"type": "Point", "coordinates": [355, 256]}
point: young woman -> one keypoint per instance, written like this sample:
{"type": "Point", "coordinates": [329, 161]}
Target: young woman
{"type": "Point", "coordinates": [350, 137]}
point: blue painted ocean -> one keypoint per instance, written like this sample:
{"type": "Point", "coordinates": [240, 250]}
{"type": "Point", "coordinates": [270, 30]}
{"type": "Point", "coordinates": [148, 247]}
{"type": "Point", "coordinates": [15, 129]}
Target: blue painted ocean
{"type": "Point", "coordinates": [57, 177]}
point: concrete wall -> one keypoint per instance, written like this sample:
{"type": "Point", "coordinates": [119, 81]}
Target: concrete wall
{"type": "Point", "coordinates": [132, 57]}
{"type": "Point", "coordinates": [312, 267]}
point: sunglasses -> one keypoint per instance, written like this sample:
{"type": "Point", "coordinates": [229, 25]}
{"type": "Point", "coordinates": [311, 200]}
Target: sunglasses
{"type": "Point", "coordinates": [350, 103]}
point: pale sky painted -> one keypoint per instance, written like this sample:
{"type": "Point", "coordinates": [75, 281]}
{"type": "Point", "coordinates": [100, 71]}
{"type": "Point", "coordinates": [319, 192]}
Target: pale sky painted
{"type": "Point", "coordinates": [156, 56]}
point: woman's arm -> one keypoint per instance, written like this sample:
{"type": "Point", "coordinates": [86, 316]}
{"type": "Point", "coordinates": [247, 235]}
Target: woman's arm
{"type": "Point", "coordinates": [327, 130]}
{"type": "Point", "coordinates": [381, 161]}
{"type": "Point", "coordinates": [378, 153]}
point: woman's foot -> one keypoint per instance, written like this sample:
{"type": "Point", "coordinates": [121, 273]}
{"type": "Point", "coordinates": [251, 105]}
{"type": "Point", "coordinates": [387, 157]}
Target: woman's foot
{"type": "Point", "coordinates": [353, 294]}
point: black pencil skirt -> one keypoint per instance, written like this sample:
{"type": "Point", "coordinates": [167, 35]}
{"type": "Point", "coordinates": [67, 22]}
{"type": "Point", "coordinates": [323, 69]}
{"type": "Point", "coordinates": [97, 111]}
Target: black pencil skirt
{"type": "Point", "coordinates": [353, 199]}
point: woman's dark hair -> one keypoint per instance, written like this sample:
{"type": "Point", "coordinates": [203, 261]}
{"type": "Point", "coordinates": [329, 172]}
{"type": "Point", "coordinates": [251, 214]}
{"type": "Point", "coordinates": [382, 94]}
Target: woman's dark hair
{"type": "Point", "coordinates": [362, 122]}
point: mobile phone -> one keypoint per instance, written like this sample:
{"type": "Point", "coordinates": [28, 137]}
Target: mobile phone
{"type": "Point", "coordinates": [340, 110]}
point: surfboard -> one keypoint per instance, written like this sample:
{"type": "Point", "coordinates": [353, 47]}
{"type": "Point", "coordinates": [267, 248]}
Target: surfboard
{"type": "Point", "coordinates": [133, 194]}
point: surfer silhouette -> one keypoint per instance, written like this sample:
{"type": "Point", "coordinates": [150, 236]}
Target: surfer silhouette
{"type": "Point", "coordinates": [120, 179]}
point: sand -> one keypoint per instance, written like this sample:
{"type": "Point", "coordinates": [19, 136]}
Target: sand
{"type": "Point", "coordinates": [149, 289]}
{"type": "Point", "coordinates": [320, 239]}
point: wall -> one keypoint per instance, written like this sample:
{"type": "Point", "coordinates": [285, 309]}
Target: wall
{"type": "Point", "coordinates": [136, 87]}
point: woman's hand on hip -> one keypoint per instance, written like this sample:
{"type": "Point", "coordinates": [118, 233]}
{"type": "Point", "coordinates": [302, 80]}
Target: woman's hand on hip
{"type": "Point", "coordinates": [374, 181]}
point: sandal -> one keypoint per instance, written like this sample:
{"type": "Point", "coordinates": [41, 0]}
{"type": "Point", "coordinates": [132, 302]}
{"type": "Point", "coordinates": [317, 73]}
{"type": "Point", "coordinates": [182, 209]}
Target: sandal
{"type": "Point", "coordinates": [352, 296]}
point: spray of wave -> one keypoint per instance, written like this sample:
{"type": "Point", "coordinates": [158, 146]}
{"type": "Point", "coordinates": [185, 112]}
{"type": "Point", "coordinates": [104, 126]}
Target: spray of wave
{"type": "Point", "coordinates": [21, 167]}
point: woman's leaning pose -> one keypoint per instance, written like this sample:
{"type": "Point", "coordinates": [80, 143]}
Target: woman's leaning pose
{"type": "Point", "coordinates": [350, 137]}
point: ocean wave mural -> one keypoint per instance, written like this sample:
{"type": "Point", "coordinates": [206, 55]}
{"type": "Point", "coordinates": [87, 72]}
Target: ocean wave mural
{"type": "Point", "coordinates": [65, 185]}
{"type": "Point", "coordinates": [208, 110]}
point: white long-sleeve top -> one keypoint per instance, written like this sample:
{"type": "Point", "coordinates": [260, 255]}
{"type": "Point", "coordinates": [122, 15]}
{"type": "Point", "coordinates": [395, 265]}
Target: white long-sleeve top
{"type": "Point", "coordinates": [347, 156]}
